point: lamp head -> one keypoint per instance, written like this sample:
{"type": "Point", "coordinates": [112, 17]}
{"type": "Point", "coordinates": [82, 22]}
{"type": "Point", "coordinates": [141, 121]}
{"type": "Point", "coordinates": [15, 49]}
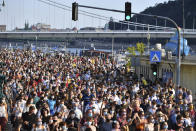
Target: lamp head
{"type": "Point", "coordinates": [3, 4]}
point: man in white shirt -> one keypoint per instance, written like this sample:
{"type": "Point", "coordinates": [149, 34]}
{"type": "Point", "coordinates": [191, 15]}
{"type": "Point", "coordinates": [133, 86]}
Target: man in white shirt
{"type": "Point", "coordinates": [135, 88]}
{"type": "Point", "coordinates": [21, 102]}
{"type": "Point", "coordinates": [92, 105]}
{"type": "Point", "coordinates": [116, 98]}
{"type": "Point", "coordinates": [77, 111]}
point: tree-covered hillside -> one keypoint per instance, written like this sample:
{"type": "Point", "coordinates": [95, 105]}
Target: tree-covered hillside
{"type": "Point", "coordinates": [172, 9]}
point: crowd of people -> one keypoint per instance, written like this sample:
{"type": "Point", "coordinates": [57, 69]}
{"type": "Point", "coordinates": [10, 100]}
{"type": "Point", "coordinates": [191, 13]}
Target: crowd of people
{"type": "Point", "coordinates": [45, 92]}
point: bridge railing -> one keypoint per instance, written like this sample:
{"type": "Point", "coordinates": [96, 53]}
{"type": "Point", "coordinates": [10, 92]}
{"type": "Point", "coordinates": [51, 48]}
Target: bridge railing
{"type": "Point", "coordinates": [102, 31]}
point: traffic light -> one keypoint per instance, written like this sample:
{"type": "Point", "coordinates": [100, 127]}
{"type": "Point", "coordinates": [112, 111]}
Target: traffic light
{"type": "Point", "coordinates": [127, 11]}
{"type": "Point", "coordinates": [75, 11]}
{"type": "Point", "coordinates": [154, 68]}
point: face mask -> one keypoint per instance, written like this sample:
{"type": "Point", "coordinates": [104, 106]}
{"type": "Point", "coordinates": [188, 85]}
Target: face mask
{"type": "Point", "coordinates": [89, 123]}
{"type": "Point", "coordinates": [50, 121]}
{"type": "Point", "coordinates": [111, 112]}
{"type": "Point", "coordinates": [39, 123]}
{"type": "Point", "coordinates": [90, 114]}
{"type": "Point", "coordinates": [52, 97]}
{"type": "Point", "coordinates": [3, 101]}
{"type": "Point", "coordinates": [152, 121]}
{"type": "Point", "coordinates": [94, 110]}
{"type": "Point", "coordinates": [64, 128]}
{"type": "Point", "coordinates": [165, 126]}
{"type": "Point", "coordinates": [161, 119]}
{"type": "Point", "coordinates": [105, 113]}
{"type": "Point", "coordinates": [72, 116]}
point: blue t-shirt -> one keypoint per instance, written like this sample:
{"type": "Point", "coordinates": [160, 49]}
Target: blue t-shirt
{"type": "Point", "coordinates": [36, 99]}
{"type": "Point", "coordinates": [51, 104]}
{"type": "Point", "coordinates": [87, 98]}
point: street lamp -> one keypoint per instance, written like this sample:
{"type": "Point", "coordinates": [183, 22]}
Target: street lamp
{"type": "Point", "coordinates": [3, 4]}
{"type": "Point", "coordinates": [183, 20]}
{"type": "Point", "coordinates": [193, 23]}
{"type": "Point", "coordinates": [148, 38]}
{"type": "Point", "coordinates": [36, 41]}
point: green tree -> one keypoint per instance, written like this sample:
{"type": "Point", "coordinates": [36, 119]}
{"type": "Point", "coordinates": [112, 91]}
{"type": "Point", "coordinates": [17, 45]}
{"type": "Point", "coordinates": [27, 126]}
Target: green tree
{"type": "Point", "coordinates": [140, 47]}
{"type": "Point", "coordinates": [131, 51]}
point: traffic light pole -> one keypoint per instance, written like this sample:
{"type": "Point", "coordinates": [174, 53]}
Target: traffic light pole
{"type": "Point", "coordinates": [98, 8]}
{"type": "Point", "coordinates": [178, 60]}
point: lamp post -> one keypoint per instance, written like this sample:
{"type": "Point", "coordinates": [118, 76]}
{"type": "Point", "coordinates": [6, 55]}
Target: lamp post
{"type": "Point", "coordinates": [113, 47]}
{"type": "Point", "coordinates": [183, 20]}
{"type": "Point", "coordinates": [3, 5]}
{"type": "Point", "coordinates": [36, 41]}
{"type": "Point", "coordinates": [136, 23]}
{"type": "Point", "coordinates": [193, 23]}
{"type": "Point", "coordinates": [148, 38]}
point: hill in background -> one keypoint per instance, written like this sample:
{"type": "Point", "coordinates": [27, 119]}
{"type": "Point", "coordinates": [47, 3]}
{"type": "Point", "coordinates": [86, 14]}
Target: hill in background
{"type": "Point", "coordinates": [173, 10]}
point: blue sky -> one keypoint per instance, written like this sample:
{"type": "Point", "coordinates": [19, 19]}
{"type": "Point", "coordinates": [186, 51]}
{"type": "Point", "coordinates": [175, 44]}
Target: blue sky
{"type": "Point", "coordinates": [16, 12]}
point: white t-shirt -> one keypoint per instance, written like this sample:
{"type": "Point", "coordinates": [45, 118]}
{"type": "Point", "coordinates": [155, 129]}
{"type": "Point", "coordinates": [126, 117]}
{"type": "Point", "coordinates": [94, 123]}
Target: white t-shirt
{"type": "Point", "coordinates": [22, 104]}
{"type": "Point", "coordinates": [18, 111]}
{"type": "Point", "coordinates": [188, 121]}
{"type": "Point", "coordinates": [117, 99]}
{"type": "Point", "coordinates": [78, 113]}
{"type": "Point", "coordinates": [2, 111]}
{"type": "Point", "coordinates": [136, 88]}
{"type": "Point", "coordinates": [99, 105]}
{"type": "Point", "coordinates": [189, 98]}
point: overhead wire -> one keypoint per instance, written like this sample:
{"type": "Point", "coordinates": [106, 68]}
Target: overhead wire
{"type": "Point", "coordinates": [93, 15]}
{"type": "Point", "coordinates": [105, 16]}
{"type": "Point", "coordinates": [69, 9]}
